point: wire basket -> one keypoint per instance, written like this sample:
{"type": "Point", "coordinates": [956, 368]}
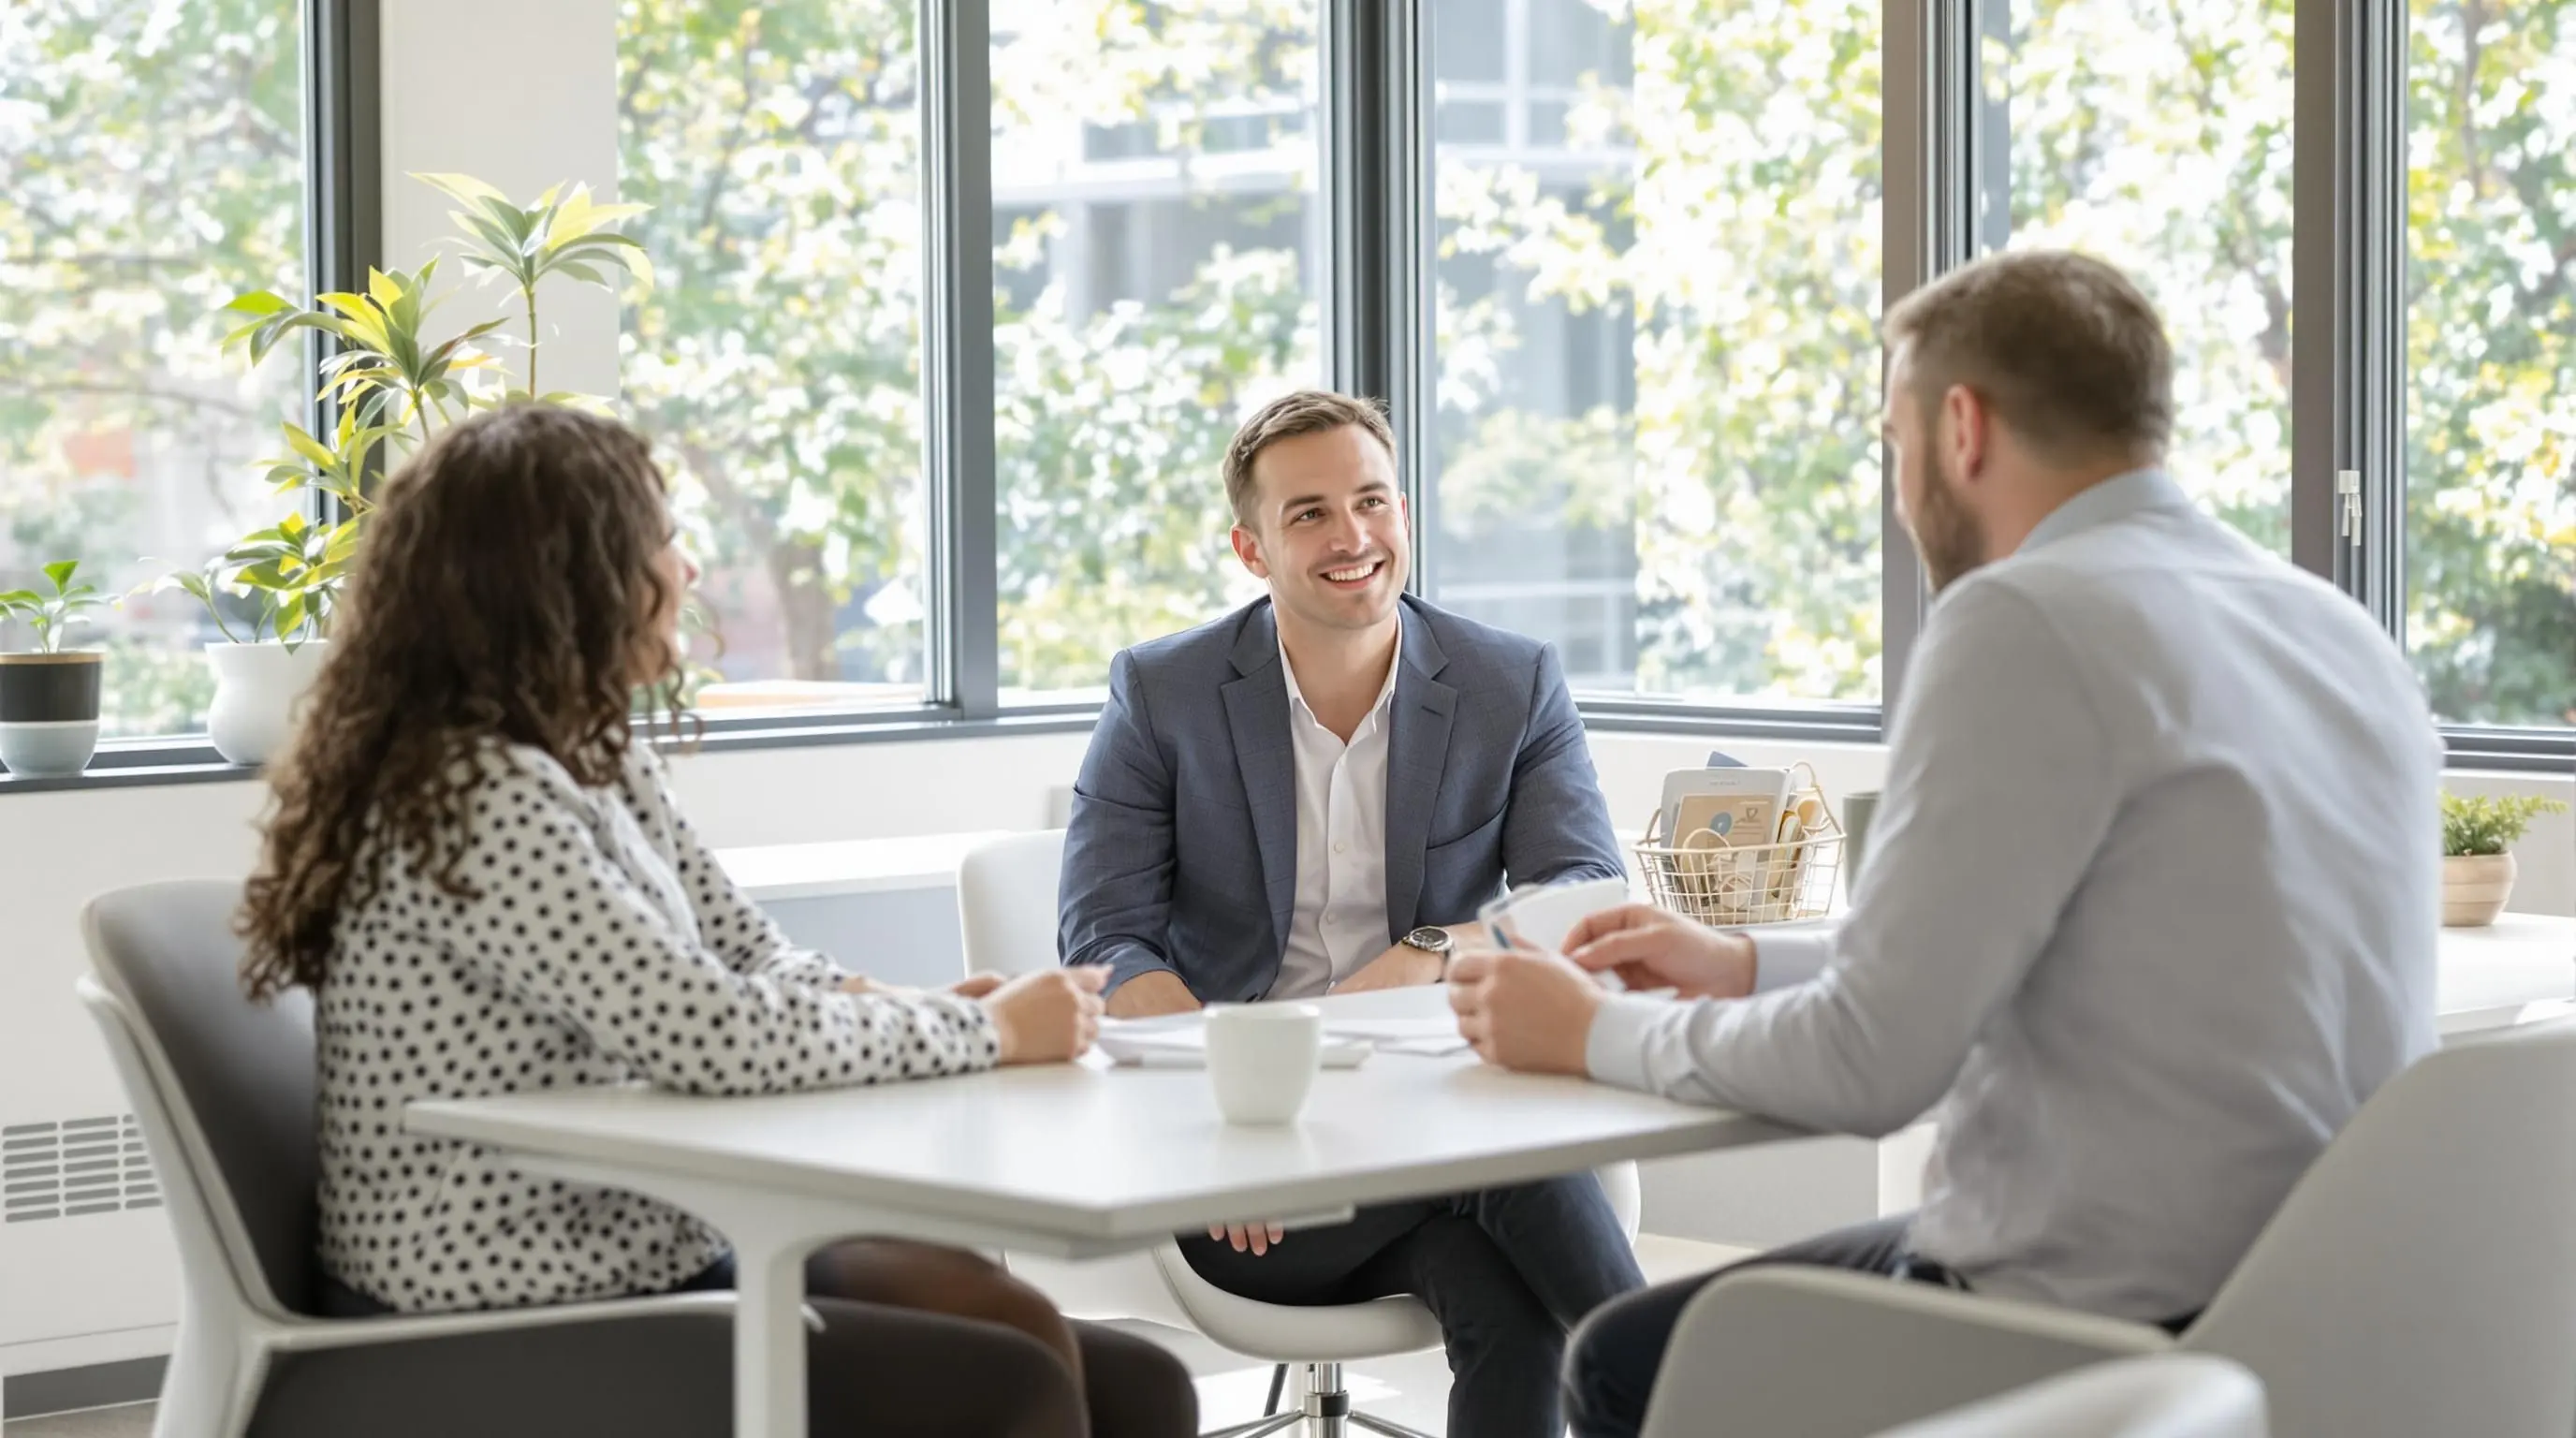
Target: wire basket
{"type": "Point", "coordinates": [1733, 885]}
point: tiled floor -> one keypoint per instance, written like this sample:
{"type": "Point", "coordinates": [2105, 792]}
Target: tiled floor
{"type": "Point", "coordinates": [1412, 1390]}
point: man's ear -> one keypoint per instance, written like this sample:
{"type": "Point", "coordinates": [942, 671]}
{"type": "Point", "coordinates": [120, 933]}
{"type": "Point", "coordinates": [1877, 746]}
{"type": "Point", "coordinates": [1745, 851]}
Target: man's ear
{"type": "Point", "coordinates": [1967, 431]}
{"type": "Point", "coordinates": [1248, 549]}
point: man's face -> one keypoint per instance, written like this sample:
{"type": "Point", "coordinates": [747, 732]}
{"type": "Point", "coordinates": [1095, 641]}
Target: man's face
{"type": "Point", "coordinates": [1929, 493]}
{"type": "Point", "coordinates": [1328, 528]}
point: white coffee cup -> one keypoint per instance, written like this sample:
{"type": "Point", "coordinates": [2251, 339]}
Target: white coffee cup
{"type": "Point", "coordinates": [1262, 1058]}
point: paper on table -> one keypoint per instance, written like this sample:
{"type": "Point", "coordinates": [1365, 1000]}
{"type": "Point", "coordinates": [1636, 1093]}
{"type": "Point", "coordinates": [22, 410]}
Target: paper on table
{"type": "Point", "coordinates": [1431, 1037]}
{"type": "Point", "coordinates": [1130, 1043]}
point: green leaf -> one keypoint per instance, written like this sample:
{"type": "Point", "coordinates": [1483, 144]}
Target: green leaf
{"type": "Point", "coordinates": [258, 302]}
{"type": "Point", "coordinates": [306, 445]}
{"type": "Point", "coordinates": [61, 571]}
{"type": "Point", "coordinates": [465, 188]}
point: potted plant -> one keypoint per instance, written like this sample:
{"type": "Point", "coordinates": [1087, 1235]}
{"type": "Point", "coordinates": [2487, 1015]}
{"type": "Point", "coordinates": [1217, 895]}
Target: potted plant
{"type": "Point", "coordinates": [49, 695]}
{"type": "Point", "coordinates": [291, 573]}
{"type": "Point", "coordinates": [2478, 869]}
{"type": "Point", "coordinates": [390, 387]}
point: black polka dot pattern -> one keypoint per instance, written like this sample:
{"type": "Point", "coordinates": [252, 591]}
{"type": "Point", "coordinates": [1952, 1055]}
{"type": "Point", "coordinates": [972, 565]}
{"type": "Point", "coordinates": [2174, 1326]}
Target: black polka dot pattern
{"type": "Point", "coordinates": [602, 944]}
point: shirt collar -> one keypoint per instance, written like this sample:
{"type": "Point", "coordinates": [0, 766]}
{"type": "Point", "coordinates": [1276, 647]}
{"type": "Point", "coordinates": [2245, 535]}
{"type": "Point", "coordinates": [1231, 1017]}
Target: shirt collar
{"type": "Point", "coordinates": [1297, 696]}
{"type": "Point", "coordinates": [2118, 497]}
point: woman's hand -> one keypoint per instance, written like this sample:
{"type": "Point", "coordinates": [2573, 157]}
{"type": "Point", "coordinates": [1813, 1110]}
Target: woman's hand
{"type": "Point", "coordinates": [973, 986]}
{"type": "Point", "coordinates": [1047, 1018]}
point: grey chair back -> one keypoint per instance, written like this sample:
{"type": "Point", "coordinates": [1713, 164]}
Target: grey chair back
{"type": "Point", "coordinates": [239, 1074]}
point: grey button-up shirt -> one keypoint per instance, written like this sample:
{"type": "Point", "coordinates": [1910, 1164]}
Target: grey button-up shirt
{"type": "Point", "coordinates": [2149, 910]}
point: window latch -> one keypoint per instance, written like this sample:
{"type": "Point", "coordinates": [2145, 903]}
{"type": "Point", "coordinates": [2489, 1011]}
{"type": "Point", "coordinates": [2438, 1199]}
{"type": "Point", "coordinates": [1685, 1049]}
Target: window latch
{"type": "Point", "coordinates": [2348, 505]}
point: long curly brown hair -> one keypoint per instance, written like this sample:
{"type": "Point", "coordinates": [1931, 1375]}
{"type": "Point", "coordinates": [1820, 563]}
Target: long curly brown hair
{"type": "Point", "coordinates": [508, 590]}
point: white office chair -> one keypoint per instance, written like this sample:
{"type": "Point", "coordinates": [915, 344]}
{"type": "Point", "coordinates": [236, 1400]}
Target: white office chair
{"type": "Point", "coordinates": [224, 1091]}
{"type": "Point", "coordinates": [2169, 1395]}
{"type": "Point", "coordinates": [1006, 899]}
{"type": "Point", "coordinates": [2421, 1278]}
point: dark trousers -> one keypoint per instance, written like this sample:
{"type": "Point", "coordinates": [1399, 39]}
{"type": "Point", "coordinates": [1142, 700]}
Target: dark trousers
{"type": "Point", "coordinates": [1508, 1272]}
{"type": "Point", "coordinates": [1618, 1350]}
{"type": "Point", "coordinates": [874, 1368]}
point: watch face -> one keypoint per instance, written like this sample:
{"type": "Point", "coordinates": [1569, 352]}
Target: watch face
{"type": "Point", "coordinates": [1431, 939]}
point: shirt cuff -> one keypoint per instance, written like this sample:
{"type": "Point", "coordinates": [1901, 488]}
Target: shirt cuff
{"type": "Point", "coordinates": [1615, 1051]}
{"type": "Point", "coordinates": [1785, 960]}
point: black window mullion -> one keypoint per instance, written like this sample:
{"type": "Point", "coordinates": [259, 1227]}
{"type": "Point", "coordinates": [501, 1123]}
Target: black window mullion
{"type": "Point", "coordinates": [343, 176]}
{"type": "Point", "coordinates": [964, 644]}
{"type": "Point", "coordinates": [2348, 408]}
{"type": "Point", "coordinates": [1377, 187]}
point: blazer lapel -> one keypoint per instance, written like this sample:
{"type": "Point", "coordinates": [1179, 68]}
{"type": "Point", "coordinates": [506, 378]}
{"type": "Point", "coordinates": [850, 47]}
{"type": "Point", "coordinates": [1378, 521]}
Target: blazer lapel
{"type": "Point", "coordinates": [1417, 754]}
{"type": "Point", "coordinates": [1256, 710]}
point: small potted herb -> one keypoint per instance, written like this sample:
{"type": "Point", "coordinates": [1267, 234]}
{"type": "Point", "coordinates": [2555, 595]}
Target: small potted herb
{"type": "Point", "coordinates": [2478, 835]}
{"type": "Point", "coordinates": [49, 695]}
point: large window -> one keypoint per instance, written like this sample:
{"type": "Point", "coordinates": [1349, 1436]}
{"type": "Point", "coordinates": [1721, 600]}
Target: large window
{"type": "Point", "coordinates": [2156, 135]}
{"type": "Point", "coordinates": [153, 157]}
{"type": "Point", "coordinates": [2490, 539]}
{"type": "Point", "coordinates": [1657, 385]}
{"type": "Point", "coordinates": [1660, 234]}
{"type": "Point", "coordinates": [777, 359]}
{"type": "Point", "coordinates": [1157, 268]}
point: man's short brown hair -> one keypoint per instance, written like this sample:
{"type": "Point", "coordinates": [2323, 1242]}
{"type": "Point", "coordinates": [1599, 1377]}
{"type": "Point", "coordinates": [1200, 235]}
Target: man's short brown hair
{"type": "Point", "coordinates": [2061, 347]}
{"type": "Point", "coordinates": [1307, 411]}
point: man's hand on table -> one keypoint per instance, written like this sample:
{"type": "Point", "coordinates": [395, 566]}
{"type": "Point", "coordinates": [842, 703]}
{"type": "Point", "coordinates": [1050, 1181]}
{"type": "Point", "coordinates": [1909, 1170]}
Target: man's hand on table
{"type": "Point", "coordinates": [1531, 1011]}
{"type": "Point", "coordinates": [1402, 966]}
{"type": "Point", "coordinates": [1156, 992]}
{"type": "Point", "coordinates": [1651, 948]}
{"type": "Point", "coordinates": [1525, 1010]}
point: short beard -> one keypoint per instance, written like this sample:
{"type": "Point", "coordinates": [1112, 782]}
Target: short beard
{"type": "Point", "coordinates": [1949, 538]}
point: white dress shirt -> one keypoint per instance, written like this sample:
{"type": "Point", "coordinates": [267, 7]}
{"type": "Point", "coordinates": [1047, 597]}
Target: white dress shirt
{"type": "Point", "coordinates": [2150, 908]}
{"type": "Point", "coordinates": [1340, 920]}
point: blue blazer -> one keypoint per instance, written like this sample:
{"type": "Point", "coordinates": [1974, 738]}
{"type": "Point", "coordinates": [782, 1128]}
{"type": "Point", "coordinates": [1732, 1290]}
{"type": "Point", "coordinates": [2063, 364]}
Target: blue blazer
{"type": "Point", "coordinates": [1183, 849]}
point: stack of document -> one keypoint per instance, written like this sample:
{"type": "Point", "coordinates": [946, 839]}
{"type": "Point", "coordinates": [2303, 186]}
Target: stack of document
{"type": "Point", "coordinates": [1164, 1043]}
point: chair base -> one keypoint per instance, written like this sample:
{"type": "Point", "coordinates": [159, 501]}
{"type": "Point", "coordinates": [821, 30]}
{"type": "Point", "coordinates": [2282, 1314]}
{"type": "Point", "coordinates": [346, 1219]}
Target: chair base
{"type": "Point", "coordinates": [1325, 1413]}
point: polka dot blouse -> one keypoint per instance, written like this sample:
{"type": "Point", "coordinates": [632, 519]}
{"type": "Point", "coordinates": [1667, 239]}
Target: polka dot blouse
{"type": "Point", "coordinates": [601, 944]}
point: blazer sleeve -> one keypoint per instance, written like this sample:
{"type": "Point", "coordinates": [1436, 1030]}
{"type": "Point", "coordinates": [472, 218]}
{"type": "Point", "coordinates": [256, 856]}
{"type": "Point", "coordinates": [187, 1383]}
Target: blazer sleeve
{"type": "Point", "coordinates": [559, 922]}
{"type": "Point", "coordinates": [1558, 826]}
{"type": "Point", "coordinates": [1116, 890]}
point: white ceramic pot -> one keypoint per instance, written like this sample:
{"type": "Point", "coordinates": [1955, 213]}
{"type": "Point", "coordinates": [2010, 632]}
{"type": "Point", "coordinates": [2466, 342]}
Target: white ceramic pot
{"type": "Point", "coordinates": [49, 712]}
{"type": "Point", "coordinates": [257, 687]}
{"type": "Point", "coordinates": [2475, 888]}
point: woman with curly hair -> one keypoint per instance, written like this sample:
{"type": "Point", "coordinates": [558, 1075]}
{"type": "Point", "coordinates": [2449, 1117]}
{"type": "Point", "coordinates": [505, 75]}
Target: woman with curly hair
{"type": "Point", "coordinates": [480, 872]}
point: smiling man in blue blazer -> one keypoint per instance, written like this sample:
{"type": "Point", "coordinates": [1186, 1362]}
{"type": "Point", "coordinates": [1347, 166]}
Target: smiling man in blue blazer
{"type": "Point", "coordinates": [1314, 794]}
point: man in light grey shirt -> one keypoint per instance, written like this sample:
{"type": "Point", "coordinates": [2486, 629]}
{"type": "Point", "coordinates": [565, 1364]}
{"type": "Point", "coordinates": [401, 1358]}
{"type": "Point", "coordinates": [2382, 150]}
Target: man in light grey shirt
{"type": "Point", "coordinates": [2149, 909]}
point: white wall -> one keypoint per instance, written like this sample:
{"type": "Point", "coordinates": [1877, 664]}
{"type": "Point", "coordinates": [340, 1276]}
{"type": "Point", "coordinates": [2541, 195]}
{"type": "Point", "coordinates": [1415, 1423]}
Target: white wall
{"type": "Point", "coordinates": [520, 94]}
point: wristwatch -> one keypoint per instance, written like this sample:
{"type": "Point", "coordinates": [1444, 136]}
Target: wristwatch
{"type": "Point", "coordinates": [1432, 939]}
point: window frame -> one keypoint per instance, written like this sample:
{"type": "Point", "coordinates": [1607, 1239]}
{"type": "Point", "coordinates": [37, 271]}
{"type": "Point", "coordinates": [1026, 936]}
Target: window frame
{"type": "Point", "coordinates": [2349, 247]}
